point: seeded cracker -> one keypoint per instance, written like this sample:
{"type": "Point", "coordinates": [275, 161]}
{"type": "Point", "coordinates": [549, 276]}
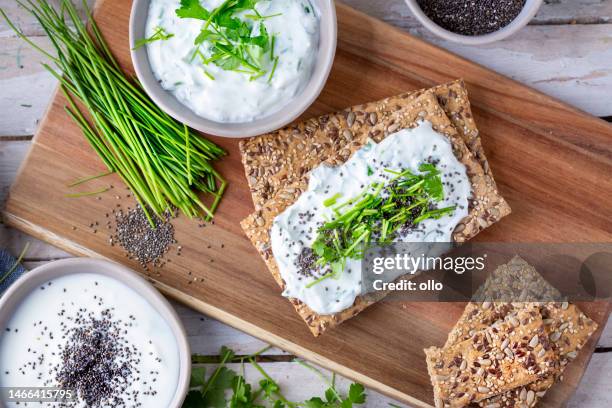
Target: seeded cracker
{"type": "Point", "coordinates": [495, 360]}
{"type": "Point", "coordinates": [568, 329]}
{"type": "Point", "coordinates": [486, 206]}
{"type": "Point", "coordinates": [281, 158]}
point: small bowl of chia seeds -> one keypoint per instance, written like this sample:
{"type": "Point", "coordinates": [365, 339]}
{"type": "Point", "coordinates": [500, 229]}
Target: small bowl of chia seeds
{"type": "Point", "coordinates": [474, 22]}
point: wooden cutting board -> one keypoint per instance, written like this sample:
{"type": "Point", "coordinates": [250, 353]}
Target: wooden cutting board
{"type": "Point", "coordinates": [552, 163]}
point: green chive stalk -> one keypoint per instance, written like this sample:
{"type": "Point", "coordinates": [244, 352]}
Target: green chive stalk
{"type": "Point", "coordinates": [165, 164]}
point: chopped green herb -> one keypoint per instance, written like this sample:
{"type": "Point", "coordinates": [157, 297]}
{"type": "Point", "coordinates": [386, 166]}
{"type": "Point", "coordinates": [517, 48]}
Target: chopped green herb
{"type": "Point", "coordinates": [160, 34]}
{"type": "Point", "coordinates": [86, 179]}
{"type": "Point", "coordinates": [273, 69]}
{"type": "Point", "coordinates": [209, 75]}
{"type": "Point", "coordinates": [378, 214]}
{"type": "Point", "coordinates": [230, 43]}
{"type": "Point", "coordinates": [89, 193]}
{"type": "Point", "coordinates": [332, 200]}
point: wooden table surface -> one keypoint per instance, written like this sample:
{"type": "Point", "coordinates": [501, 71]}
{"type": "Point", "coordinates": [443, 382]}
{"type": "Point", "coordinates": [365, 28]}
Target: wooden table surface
{"type": "Point", "coordinates": [565, 52]}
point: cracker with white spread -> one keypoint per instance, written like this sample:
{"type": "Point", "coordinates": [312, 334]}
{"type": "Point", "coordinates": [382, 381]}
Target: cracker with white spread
{"type": "Point", "coordinates": [485, 207]}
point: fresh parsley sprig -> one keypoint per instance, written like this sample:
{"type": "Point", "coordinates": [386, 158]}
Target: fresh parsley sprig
{"type": "Point", "coordinates": [225, 388]}
{"type": "Point", "coordinates": [231, 43]}
{"type": "Point", "coordinates": [377, 215]}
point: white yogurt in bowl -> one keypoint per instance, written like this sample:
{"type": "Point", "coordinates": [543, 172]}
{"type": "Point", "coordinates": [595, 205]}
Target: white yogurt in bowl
{"type": "Point", "coordinates": [103, 338]}
{"type": "Point", "coordinates": [259, 81]}
{"type": "Point", "coordinates": [288, 45]}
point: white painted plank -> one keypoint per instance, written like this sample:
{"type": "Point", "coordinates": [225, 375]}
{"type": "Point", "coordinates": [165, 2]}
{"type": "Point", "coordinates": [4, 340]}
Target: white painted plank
{"type": "Point", "coordinates": [26, 86]}
{"type": "Point", "coordinates": [207, 335]}
{"type": "Point", "coordinates": [24, 20]}
{"type": "Point", "coordinates": [594, 390]}
{"type": "Point", "coordinates": [11, 155]}
{"type": "Point", "coordinates": [606, 336]}
{"type": "Point", "coordinates": [15, 241]}
{"type": "Point", "coordinates": [572, 63]}
{"type": "Point", "coordinates": [574, 11]}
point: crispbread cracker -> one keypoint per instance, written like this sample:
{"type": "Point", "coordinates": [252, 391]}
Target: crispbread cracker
{"type": "Point", "coordinates": [486, 205]}
{"type": "Point", "coordinates": [567, 328]}
{"type": "Point", "coordinates": [494, 360]}
{"type": "Point", "coordinates": [281, 158]}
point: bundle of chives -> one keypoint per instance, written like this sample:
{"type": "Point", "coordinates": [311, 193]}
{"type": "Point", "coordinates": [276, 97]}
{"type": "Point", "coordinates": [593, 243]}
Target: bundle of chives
{"type": "Point", "coordinates": [163, 162]}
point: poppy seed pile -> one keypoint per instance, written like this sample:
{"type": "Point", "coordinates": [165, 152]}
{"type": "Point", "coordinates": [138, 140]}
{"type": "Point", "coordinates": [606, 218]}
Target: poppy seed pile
{"type": "Point", "coordinates": [472, 17]}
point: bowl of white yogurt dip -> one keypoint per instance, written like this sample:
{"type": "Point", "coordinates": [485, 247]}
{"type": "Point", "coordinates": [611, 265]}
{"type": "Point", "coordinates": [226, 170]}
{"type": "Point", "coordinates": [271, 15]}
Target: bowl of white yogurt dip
{"type": "Point", "coordinates": [233, 68]}
{"type": "Point", "coordinates": [91, 333]}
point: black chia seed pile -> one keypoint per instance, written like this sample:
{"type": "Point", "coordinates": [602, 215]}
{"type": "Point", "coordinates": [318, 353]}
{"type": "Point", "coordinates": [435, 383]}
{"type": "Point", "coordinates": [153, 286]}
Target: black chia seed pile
{"type": "Point", "coordinates": [96, 360]}
{"type": "Point", "coordinates": [143, 243]}
{"type": "Point", "coordinates": [472, 17]}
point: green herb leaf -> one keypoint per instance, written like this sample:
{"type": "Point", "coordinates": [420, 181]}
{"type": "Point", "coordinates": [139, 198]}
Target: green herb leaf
{"type": "Point", "coordinates": [192, 9]}
{"type": "Point", "coordinates": [314, 402]}
{"type": "Point", "coordinates": [357, 393]}
{"type": "Point", "coordinates": [197, 377]}
{"type": "Point", "coordinates": [194, 399]}
{"type": "Point", "coordinates": [231, 43]}
{"type": "Point", "coordinates": [206, 35]}
{"type": "Point", "coordinates": [223, 379]}
{"type": "Point", "coordinates": [330, 395]}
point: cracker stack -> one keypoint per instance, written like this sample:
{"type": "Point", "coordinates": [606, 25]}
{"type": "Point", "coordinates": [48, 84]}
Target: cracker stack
{"type": "Point", "coordinates": [277, 166]}
{"type": "Point", "coordinates": [506, 355]}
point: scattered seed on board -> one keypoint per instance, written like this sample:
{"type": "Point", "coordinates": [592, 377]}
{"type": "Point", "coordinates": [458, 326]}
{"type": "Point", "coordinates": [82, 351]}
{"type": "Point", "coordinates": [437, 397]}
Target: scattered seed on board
{"type": "Point", "coordinates": [142, 242]}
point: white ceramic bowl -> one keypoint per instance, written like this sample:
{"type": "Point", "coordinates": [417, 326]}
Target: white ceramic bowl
{"type": "Point", "coordinates": [33, 279]}
{"type": "Point", "coordinates": [290, 112]}
{"type": "Point", "coordinates": [529, 10]}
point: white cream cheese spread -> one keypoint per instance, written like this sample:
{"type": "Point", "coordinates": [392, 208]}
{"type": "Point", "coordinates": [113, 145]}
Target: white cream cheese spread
{"type": "Point", "coordinates": [296, 227]}
{"type": "Point", "coordinates": [230, 95]}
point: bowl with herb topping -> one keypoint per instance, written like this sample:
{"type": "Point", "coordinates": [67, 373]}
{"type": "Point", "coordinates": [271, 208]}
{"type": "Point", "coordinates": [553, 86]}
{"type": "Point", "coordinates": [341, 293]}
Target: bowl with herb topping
{"type": "Point", "coordinates": [105, 335]}
{"type": "Point", "coordinates": [474, 22]}
{"type": "Point", "coordinates": [233, 68]}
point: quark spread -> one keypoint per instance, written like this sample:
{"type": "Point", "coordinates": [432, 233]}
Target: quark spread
{"type": "Point", "coordinates": [227, 95]}
{"type": "Point", "coordinates": [57, 331]}
{"type": "Point", "coordinates": [296, 228]}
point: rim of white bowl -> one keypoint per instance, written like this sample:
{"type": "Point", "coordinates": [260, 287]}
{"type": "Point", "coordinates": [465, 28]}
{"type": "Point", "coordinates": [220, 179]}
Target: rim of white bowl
{"type": "Point", "coordinates": [167, 102]}
{"type": "Point", "coordinates": [529, 10]}
{"type": "Point", "coordinates": [31, 280]}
